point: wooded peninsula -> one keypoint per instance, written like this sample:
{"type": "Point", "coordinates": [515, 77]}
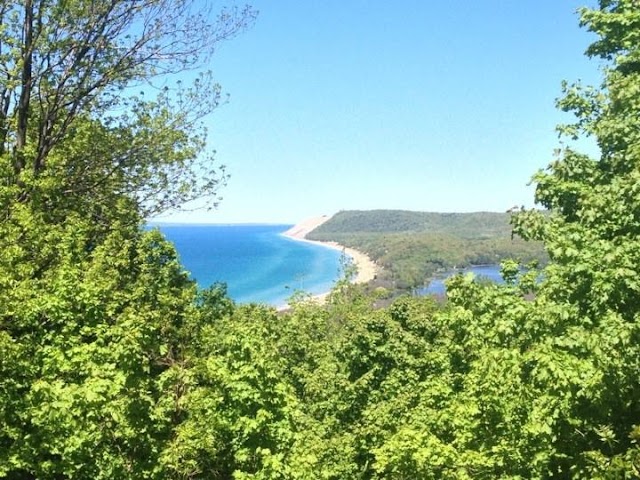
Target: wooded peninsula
{"type": "Point", "coordinates": [410, 247]}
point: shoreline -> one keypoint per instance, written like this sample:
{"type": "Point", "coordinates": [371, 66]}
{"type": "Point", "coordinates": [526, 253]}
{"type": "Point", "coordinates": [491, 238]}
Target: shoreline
{"type": "Point", "coordinates": [366, 269]}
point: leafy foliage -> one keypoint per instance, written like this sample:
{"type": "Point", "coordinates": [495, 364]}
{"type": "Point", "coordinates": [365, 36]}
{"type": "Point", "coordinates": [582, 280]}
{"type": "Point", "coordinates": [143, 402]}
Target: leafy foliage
{"type": "Point", "coordinates": [112, 365]}
{"type": "Point", "coordinates": [67, 113]}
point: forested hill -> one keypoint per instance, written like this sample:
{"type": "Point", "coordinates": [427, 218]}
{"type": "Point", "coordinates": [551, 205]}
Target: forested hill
{"type": "Point", "coordinates": [413, 246]}
{"type": "Point", "coordinates": [463, 225]}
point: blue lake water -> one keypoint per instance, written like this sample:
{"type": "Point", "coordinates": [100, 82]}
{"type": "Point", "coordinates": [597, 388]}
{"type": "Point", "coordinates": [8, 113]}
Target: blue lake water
{"type": "Point", "coordinates": [257, 262]}
{"type": "Point", "coordinates": [437, 287]}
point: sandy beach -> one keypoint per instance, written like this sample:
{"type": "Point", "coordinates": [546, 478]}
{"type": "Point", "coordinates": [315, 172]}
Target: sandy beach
{"type": "Point", "coordinates": [366, 268]}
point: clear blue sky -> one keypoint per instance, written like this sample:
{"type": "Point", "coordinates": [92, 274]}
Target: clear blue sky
{"type": "Point", "coordinates": [419, 105]}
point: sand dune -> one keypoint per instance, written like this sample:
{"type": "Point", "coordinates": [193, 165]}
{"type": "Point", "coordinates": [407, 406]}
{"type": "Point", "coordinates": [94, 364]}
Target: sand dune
{"type": "Point", "coordinates": [300, 230]}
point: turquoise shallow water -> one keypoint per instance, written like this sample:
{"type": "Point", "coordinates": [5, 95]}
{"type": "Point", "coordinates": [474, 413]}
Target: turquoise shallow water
{"type": "Point", "coordinates": [257, 262]}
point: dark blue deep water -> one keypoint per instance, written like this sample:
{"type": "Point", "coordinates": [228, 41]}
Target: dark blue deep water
{"type": "Point", "coordinates": [256, 262]}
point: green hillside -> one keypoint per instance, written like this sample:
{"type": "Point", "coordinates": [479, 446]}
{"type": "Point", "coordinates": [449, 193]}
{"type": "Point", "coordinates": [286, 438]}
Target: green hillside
{"type": "Point", "coordinates": [412, 246]}
{"type": "Point", "coordinates": [463, 225]}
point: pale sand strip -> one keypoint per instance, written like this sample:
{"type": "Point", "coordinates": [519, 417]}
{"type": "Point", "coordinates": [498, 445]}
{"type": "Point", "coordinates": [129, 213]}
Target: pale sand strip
{"type": "Point", "coordinates": [366, 268]}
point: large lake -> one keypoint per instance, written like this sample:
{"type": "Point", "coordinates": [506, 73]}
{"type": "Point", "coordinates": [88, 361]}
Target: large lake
{"type": "Point", "coordinates": [257, 262]}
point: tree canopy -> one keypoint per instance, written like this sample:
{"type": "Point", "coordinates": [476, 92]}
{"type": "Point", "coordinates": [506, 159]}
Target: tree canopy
{"type": "Point", "coordinates": [113, 365]}
{"type": "Point", "coordinates": [75, 82]}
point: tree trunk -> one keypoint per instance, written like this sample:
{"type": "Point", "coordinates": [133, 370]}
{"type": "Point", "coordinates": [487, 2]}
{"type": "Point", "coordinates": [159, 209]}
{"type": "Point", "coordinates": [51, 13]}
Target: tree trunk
{"type": "Point", "coordinates": [26, 86]}
{"type": "Point", "coordinates": [5, 99]}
